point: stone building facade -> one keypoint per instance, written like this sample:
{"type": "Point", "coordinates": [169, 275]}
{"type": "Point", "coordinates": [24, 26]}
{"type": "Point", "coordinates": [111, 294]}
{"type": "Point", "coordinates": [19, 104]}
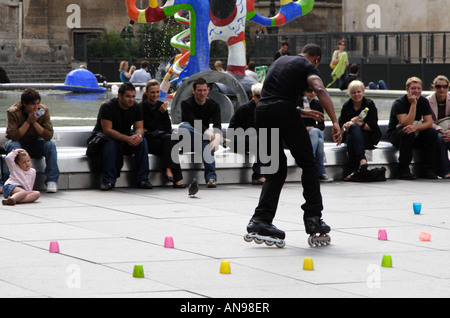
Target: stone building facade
{"type": "Point", "coordinates": [395, 16]}
{"type": "Point", "coordinates": [44, 30]}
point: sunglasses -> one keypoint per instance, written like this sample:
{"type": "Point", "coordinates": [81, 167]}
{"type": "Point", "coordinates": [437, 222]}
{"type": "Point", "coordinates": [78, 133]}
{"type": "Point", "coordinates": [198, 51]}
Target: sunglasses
{"type": "Point", "coordinates": [309, 90]}
{"type": "Point", "coordinates": [441, 86]}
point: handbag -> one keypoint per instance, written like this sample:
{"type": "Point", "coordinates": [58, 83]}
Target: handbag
{"type": "Point", "coordinates": [333, 66]}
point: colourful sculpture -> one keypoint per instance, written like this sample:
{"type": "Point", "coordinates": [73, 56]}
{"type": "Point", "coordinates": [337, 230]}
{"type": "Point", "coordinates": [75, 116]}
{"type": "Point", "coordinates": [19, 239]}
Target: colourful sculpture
{"type": "Point", "coordinates": [212, 20]}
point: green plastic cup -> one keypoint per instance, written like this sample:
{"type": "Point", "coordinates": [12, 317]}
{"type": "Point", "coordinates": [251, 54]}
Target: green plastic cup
{"type": "Point", "coordinates": [387, 261]}
{"type": "Point", "coordinates": [138, 271]}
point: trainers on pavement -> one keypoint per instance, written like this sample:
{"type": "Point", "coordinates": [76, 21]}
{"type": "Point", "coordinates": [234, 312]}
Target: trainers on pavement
{"type": "Point", "coordinates": [52, 187]}
{"type": "Point", "coordinates": [211, 183]}
{"type": "Point", "coordinates": [324, 178]}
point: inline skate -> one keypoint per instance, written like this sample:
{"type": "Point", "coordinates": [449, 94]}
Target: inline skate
{"type": "Point", "coordinates": [317, 230]}
{"type": "Point", "coordinates": [262, 232]}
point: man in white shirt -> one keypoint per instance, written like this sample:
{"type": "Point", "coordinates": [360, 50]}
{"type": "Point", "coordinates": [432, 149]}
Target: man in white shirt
{"type": "Point", "coordinates": [142, 75]}
{"type": "Point", "coordinates": [251, 71]}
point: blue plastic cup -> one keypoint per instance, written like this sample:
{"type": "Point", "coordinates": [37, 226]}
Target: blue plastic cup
{"type": "Point", "coordinates": [417, 206]}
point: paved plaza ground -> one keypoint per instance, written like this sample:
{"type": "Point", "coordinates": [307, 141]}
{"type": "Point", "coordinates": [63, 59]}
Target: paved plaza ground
{"type": "Point", "coordinates": [103, 235]}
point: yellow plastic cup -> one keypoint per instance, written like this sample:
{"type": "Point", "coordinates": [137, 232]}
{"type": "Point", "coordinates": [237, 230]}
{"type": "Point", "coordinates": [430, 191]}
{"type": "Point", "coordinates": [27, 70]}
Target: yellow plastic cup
{"type": "Point", "coordinates": [225, 267]}
{"type": "Point", "coordinates": [308, 264]}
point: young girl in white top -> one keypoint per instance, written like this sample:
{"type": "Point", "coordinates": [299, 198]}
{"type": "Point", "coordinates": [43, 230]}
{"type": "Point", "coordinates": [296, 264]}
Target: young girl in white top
{"type": "Point", "coordinates": [19, 187]}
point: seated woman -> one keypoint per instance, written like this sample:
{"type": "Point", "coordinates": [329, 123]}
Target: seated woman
{"type": "Point", "coordinates": [158, 131]}
{"type": "Point", "coordinates": [359, 133]}
{"type": "Point", "coordinates": [440, 107]}
{"type": "Point", "coordinates": [125, 73]}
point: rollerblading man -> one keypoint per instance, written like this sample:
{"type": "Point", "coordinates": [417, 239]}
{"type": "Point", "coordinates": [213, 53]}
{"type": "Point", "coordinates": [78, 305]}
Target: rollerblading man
{"type": "Point", "coordinates": [277, 112]}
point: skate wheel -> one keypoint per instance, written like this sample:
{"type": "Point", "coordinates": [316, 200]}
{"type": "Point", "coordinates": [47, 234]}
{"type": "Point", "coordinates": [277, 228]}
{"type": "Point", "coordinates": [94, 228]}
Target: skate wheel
{"type": "Point", "coordinates": [311, 240]}
{"type": "Point", "coordinates": [328, 242]}
{"type": "Point", "coordinates": [248, 238]}
{"type": "Point", "coordinates": [258, 241]}
{"type": "Point", "coordinates": [268, 243]}
{"type": "Point", "coordinates": [280, 244]}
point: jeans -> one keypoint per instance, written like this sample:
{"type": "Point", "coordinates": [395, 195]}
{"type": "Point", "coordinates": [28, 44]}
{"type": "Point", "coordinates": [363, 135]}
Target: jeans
{"type": "Point", "coordinates": [381, 85]}
{"type": "Point", "coordinates": [283, 117]}
{"type": "Point", "coordinates": [140, 152]}
{"type": "Point", "coordinates": [443, 148]}
{"type": "Point", "coordinates": [37, 149]}
{"type": "Point", "coordinates": [317, 141]}
{"type": "Point", "coordinates": [207, 156]}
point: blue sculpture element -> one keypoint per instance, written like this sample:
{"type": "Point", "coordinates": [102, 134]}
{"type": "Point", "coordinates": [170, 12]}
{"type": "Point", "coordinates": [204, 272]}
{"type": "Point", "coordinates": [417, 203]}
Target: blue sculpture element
{"type": "Point", "coordinates": [81, 80]}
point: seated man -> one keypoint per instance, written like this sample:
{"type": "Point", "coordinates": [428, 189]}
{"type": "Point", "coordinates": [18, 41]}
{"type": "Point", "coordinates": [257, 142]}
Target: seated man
{"type": "Point", "coordinates": [411, 126]}
{"type": "Point", "coordinates": [115, 119]}
{"type": "Point", "coordinates": [244, 118]}
{"type": "Point", "coordinates": [197, 112]}
{"type": "Point", "coordinates": [29, 127]}
{"type": "Point", "coordinates": [142, 75]}
{"type": "Point", "coordinates": [354, 71]}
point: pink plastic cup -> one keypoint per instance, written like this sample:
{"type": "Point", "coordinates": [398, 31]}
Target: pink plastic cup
{"type": "Point", "coordinates": [382, 235]}
{"type": "Point", "coordinates": [168, 242]}
{"type": "Point", "coordinates": [54, 247]}
{"type": "Point", "coordinates": [424, 236]}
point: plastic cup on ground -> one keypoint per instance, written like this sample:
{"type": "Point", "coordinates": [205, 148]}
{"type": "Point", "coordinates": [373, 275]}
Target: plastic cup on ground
{"type": "Point", "coordinates": [308, 264]}
{"type": "Point", "coordinates": [138, 271]}
{"type": "Point", "coordinates": [168, 242]}
{"type": "Point", "coordinates": [424, 236]}
{"type": "Point", "coordinates": [225, 267]}
{"type": "Point", "coordinates": [382, 235]}
{"type": "Point", "coordinates": [54, 247]}
{"type": "Point", "coordinates": [417, 206]}
{"type": "Point", "coordinates": [386, 261]}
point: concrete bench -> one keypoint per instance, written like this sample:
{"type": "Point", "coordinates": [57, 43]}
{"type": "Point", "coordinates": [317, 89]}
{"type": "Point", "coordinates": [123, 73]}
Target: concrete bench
{"type": "Point", "coordinates": [231, 167]}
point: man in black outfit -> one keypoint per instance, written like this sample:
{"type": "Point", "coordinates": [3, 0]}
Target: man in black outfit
{"type": "Point", "coordinates": [115, 119]}
{"type": "Point", "coordinates": [411, 126]}
{"type": "Point", "coordinates": [287, 79]}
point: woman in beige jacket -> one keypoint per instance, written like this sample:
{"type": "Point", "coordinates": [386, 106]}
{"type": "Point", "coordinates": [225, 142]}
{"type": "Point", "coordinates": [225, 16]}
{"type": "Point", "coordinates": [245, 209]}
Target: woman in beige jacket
{"type": "Point", "coordinates": [440, 107]}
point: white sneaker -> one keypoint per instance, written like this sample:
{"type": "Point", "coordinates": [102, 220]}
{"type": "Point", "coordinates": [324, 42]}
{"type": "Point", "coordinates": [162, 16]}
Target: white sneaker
{"type": "Point", "coordinates": [52, 187]}
{"type": "Point", "coordinates": [324, 178]}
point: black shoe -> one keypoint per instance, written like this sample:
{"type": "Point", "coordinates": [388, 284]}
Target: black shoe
{"type": "Point", "coordinates": [211, 183]}
{"type": "Point", "coordinates": [405, 174]}
{"type": "Point", "coordinates": [430, 174]}
{"type": "Point", "coordinates": [170, 179]}
{"type": "Point", "coordinates": [144, 184]}
{"type": "Point", "coordinates": [106, 186]}
{"type": "Point", "coordinates": [315, 225]}
{"type": "Point", "coordinates": [178, 186]}
{"type": "Point", "coordinates": [265, 229]}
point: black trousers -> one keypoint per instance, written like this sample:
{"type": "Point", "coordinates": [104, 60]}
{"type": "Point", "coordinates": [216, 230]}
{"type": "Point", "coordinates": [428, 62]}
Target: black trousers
{"type": "Point", "coordinates": [284, 119]}
{"type": "Point", "coordinates": [357, 140]}
{"type": "Point", "coordinates": [425, 139]}
{"type": "Point", "coordinates": [161, 145]}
